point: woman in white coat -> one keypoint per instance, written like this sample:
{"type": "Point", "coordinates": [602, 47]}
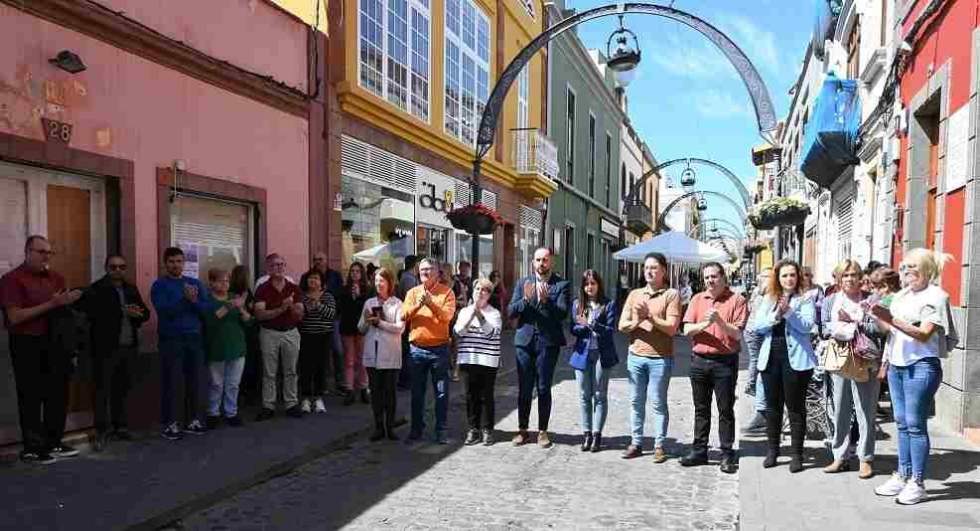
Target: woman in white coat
{"type": "Point", "coordinates": [382, 325]}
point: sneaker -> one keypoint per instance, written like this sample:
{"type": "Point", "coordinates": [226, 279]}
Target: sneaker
{"type": "Point", "coordinates": [62, 450]}
{"type": "Point", "coordinates": [195, 428]}
{"type": "Point", "coordinates": [171, 432]}
{"type": "Point", "coordinates": [212, 422]}
{"type": "Point", "coordinates": [472, 437]}
{"type": "Point", "coordinates": [265, 414]}
{"type": "Point", "coordinates": [305, 406]}
{"type": "Point", "coordinates": [37, 457]}
{"type": "Point", "coordinates": [318, 406]}
{"type": "Point", "coordinates": [756, 426]}
{"type": "Point", "coordinates": [488, 438]}
{"type": "Point", "coordinates": [892, 487]}
{"type": "Point", "coordinates": [294, 412]}
{"type": "Point", "coordinates": [659, 455]}
{"type": "Point", "coordinates": [235, 422]}
{"type": "Point", "coordinates": [913, 493]}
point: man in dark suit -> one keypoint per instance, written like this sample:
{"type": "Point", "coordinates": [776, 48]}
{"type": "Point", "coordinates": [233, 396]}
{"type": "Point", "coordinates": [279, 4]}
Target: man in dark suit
{"type": "Point", "coordinates": [540, 304]}
{"type": "Point", "coordinates": [115, 310]}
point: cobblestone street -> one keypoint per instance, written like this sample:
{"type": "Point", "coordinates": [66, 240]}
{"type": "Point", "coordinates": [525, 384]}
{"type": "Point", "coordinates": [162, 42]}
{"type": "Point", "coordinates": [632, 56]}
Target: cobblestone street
{"type": "Point", "coordinates": [379, 485]}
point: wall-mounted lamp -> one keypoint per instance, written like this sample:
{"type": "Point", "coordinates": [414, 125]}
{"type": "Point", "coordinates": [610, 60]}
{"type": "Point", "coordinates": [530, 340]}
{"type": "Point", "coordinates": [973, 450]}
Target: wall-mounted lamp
{"type": "Point", "coordinates": [68, 61]}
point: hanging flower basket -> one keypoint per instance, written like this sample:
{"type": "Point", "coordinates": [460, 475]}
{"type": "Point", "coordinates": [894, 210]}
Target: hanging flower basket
{"type": "Point", "coordinates": [754, 246]}
{"type": "Point", "coordinates": [474, 219]}
{"type": "Point", "coordinates": [778, 212]}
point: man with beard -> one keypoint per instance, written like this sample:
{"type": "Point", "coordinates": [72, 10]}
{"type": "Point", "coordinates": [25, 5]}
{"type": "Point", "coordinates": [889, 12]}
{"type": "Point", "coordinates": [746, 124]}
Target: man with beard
{"type": "Point", "coordinates": [32, 297]}
{"type": "Point", "coordinates": [540, 304]}
{"type": "Point", "coordinates": [115, 310]}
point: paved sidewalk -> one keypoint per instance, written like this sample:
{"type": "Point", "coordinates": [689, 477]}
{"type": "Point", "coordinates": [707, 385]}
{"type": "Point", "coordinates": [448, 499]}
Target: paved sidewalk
{"type": "Point", "coordinates": [774, 499]}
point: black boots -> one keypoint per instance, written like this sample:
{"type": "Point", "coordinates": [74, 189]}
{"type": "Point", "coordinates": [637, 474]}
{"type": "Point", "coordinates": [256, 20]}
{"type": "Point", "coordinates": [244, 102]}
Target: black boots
{"type": "Point", "coordinates": [596, 442]}
{"type": "Point", "coordinates": [795, 463]}
{"type": "Point", "coordinates": [586, 441]}
{"type": "Point", "coordinates": [771, 456]}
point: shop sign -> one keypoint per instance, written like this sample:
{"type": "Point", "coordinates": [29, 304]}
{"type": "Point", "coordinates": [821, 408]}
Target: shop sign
{"type": "Point", "coordinates": [434, 198]}
{"type": "Point", "coordinates": [609, 228]}
{"type": "Point", "coordinates": [431, 200]}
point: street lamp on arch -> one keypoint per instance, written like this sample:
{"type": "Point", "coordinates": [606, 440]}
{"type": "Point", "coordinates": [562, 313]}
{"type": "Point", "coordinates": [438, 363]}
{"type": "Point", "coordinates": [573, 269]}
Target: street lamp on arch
{"type": "Point", "coordinates": [624, 60]}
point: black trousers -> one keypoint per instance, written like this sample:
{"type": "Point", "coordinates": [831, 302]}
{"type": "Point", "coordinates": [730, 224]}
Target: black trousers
{"type": "Point", "coordinates": [384, 395]}
{"type": "Point", "coordinates": [480, 409]}
{"type": "Point", "coordinates": [405, 374]}
{"type": "Point", "coordinates": [41, 377]}
{"type": "Point", "coordinates": [112, 382]}
{"type": "Point", "coordinates": [785, 386]}
{"type": "Point", "coordinates": [313, 352]}
{"type": "Point", "coordinates": [717, 375]}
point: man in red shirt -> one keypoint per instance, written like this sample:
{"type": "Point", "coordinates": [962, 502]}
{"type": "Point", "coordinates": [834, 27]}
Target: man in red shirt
{"type": "Point", "coordinates": [32, 297]}
{"type": "Point", "coordinates": [714, 321]}
{"type": "Point", "coordinates": [279, 309]}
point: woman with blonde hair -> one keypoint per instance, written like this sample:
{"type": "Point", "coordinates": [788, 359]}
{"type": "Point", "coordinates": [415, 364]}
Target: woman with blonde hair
{"type": "Point", "coordinates": [477, 328]}
{"type": "Point", "coordinates": [849, 328]}
{"type": "Point", "coordinates": [919, 326]}
{"type": "Point", "coordinates": [783, 321]}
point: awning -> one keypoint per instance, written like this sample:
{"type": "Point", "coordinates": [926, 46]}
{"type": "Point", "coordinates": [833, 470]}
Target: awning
{"type": "Point", "coordinates": [676, 246]}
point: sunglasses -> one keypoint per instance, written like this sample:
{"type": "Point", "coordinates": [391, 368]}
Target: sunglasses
{"type": "Point", "coordinates": [117, 267]}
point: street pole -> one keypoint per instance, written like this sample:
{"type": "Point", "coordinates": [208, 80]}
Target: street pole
{"type": "Point", "coordinates": [477, 192]}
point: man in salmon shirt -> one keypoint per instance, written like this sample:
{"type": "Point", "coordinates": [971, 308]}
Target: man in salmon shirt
{"type": "Point", "coordinates": [428, 310]}
{"type": "Point", "coordinates": [714, 321]}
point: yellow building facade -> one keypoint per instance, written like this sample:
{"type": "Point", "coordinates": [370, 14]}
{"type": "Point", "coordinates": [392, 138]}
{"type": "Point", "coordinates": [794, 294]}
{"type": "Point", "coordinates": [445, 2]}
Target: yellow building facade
{"type": "Point", "coordinates": [407, 82]}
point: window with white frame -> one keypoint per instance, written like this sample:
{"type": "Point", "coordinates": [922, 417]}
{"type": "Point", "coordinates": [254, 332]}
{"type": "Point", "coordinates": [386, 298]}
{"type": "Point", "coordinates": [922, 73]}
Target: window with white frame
{"type": "Point", "coordinates": [467, 68]}
{"type": "Point", "coordinates": [394, 52]}
{"type": "Point", "coordinates": [523, 99]}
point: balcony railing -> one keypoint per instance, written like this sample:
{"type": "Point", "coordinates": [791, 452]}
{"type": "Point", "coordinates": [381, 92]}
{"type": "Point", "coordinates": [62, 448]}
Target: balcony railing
{"type": "Point", "coordinates": [534, 153]}
{"type": "Point", "coordinates": [639, 218]}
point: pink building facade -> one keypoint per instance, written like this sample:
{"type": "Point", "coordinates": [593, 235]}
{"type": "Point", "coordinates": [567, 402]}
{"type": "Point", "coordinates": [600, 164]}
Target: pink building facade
{"type": "Point", "coordinates": [188, 130]}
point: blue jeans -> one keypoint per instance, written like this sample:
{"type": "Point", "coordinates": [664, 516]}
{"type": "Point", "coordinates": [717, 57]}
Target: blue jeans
{"type": "Point", "coordinates": [225, 378]}
{"type": "Point", "coordinates": [649, 375]}
{"type": "Point", "coordinates": [754, 343]}
{"type": "Point", "coordinates": [182, 354]}
{"type": "Point", "coordinates": [912, 390]}
{"type": "Point", "coordinates": [593, 383]}
{"type": "Point", "coordinates": [535, 369]}
{"type": "Point", "coordinates": [425, 361]}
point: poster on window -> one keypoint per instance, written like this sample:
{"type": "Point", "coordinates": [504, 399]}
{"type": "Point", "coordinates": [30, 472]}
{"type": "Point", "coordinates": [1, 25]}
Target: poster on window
{"type": "Point", "coordinates": [958, 132]}
{"type": "Point", "coordinates": [192, 265]}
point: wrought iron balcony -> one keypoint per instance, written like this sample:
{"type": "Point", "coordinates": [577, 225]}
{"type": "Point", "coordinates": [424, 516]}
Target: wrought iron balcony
{"type": "Point", "coordinates": [535, 158]}
{"type": "Point", "coordinates": [639, 218]}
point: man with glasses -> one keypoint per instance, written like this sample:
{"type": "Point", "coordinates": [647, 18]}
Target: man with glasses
{"type": "Point", "coordinates": [279, 309]}
{"type": "Point", "coordinates": [32, 297]}
{"type": "Point", "coordinates": [180, 301]}
{"type": "Point", "coordinates": [428, 310]}
{"type": "Point", "coordinates": [115, 310]}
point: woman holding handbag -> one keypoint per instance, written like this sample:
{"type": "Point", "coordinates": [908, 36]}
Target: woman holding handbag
{"type": "Point", "coordinates": [783, 320]}
{"type": "Point", "coordinates": [920, 331]}
{"type": "Point", "coordinates": [852, 359]}
{"type": "Point", "coordinates": [593, 325]}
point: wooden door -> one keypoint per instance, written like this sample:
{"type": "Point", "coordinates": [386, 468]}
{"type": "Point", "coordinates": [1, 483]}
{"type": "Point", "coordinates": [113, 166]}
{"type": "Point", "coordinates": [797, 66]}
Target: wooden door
{"type": "Point", "coordinates": [70, 234]}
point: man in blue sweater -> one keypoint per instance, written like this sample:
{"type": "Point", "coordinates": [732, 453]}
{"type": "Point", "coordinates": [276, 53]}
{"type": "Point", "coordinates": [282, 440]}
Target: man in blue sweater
{"type": "Point", "coordinates": [180, 301]}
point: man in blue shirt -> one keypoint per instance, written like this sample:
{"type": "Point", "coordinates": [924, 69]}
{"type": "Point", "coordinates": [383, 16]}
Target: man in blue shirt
{"type": "Point", "coordinates": [179, 302]}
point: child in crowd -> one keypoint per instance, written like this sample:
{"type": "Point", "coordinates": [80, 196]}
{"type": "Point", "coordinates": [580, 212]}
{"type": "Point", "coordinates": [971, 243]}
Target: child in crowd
{"type": "Point", "coordinates": [224, 322]}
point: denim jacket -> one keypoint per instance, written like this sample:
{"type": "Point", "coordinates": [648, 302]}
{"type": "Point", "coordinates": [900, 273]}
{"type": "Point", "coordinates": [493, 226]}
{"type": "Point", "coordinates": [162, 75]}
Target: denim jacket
{"type": "Point", "coordinates": [605, 329]}
{"type": "Point", "coordinates": [799, 322]}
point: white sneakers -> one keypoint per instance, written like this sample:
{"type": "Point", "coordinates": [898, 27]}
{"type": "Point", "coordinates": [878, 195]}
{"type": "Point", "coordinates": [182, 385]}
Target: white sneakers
{"type": "Point", "coordinates": [913, 493]}
{"type": "Point", "coordinates": [305, 406]}
{"type": "Point", "coordinates": [318, 406]}
{"type": "Point", "coordinates": [909, 491]}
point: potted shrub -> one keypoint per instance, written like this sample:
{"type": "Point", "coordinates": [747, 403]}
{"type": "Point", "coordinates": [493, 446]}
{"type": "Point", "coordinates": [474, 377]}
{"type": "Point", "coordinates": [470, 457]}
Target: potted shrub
{"type": "Point", "coordinates": [754, 246]}
{"type": "Point", "coordinates": [474, 219]}
{"type": "Point", "coordinates": [779, 211]}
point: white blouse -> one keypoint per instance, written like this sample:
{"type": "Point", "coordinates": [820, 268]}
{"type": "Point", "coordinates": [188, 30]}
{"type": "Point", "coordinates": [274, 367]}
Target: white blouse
{"type": "Point", "coordinates": [930, 305]}
{"type": "Point", "coordinates": [383, 343]}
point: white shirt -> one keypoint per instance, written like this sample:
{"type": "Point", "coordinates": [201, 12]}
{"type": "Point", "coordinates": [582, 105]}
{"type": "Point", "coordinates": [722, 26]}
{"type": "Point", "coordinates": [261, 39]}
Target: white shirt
{"type": "Point", "coordinates": [265, 278]}
{"type": "Point", "coordinates": [383, 343]}
{"type": "Point", "coordinates": [478, 344]}
{"type": "Point", "coordinates": [930, 305]}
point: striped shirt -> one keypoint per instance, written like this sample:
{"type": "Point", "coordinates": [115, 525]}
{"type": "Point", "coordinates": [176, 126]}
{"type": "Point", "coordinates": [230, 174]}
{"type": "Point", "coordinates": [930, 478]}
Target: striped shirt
{"type": "Point", "coordinates": [320, 319]}
{"type": "Point", "coordinates": [479, 344]}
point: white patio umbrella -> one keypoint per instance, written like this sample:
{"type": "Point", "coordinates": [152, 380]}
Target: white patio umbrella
{"type": "Point", "coordinates": [676, 246]}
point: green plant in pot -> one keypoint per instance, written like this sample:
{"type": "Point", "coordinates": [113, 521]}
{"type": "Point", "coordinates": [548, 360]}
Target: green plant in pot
{"type": "Point", "coordinates": [779, 211]}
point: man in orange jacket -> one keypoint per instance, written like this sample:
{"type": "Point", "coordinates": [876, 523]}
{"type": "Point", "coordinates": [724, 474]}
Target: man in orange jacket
{"type": "Point", "coordinates": [428, 311]}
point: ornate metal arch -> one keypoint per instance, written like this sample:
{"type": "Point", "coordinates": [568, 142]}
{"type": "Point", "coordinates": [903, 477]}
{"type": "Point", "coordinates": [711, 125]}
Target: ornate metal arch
{"type": "Point", "coordinates": [663, 214]}
{"type": "Point", "coordinates": [742, 191]}
{"type": "Point", "coordinates": [764, 111]}
{"type": "Point", "coordinates": [738, 230]}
